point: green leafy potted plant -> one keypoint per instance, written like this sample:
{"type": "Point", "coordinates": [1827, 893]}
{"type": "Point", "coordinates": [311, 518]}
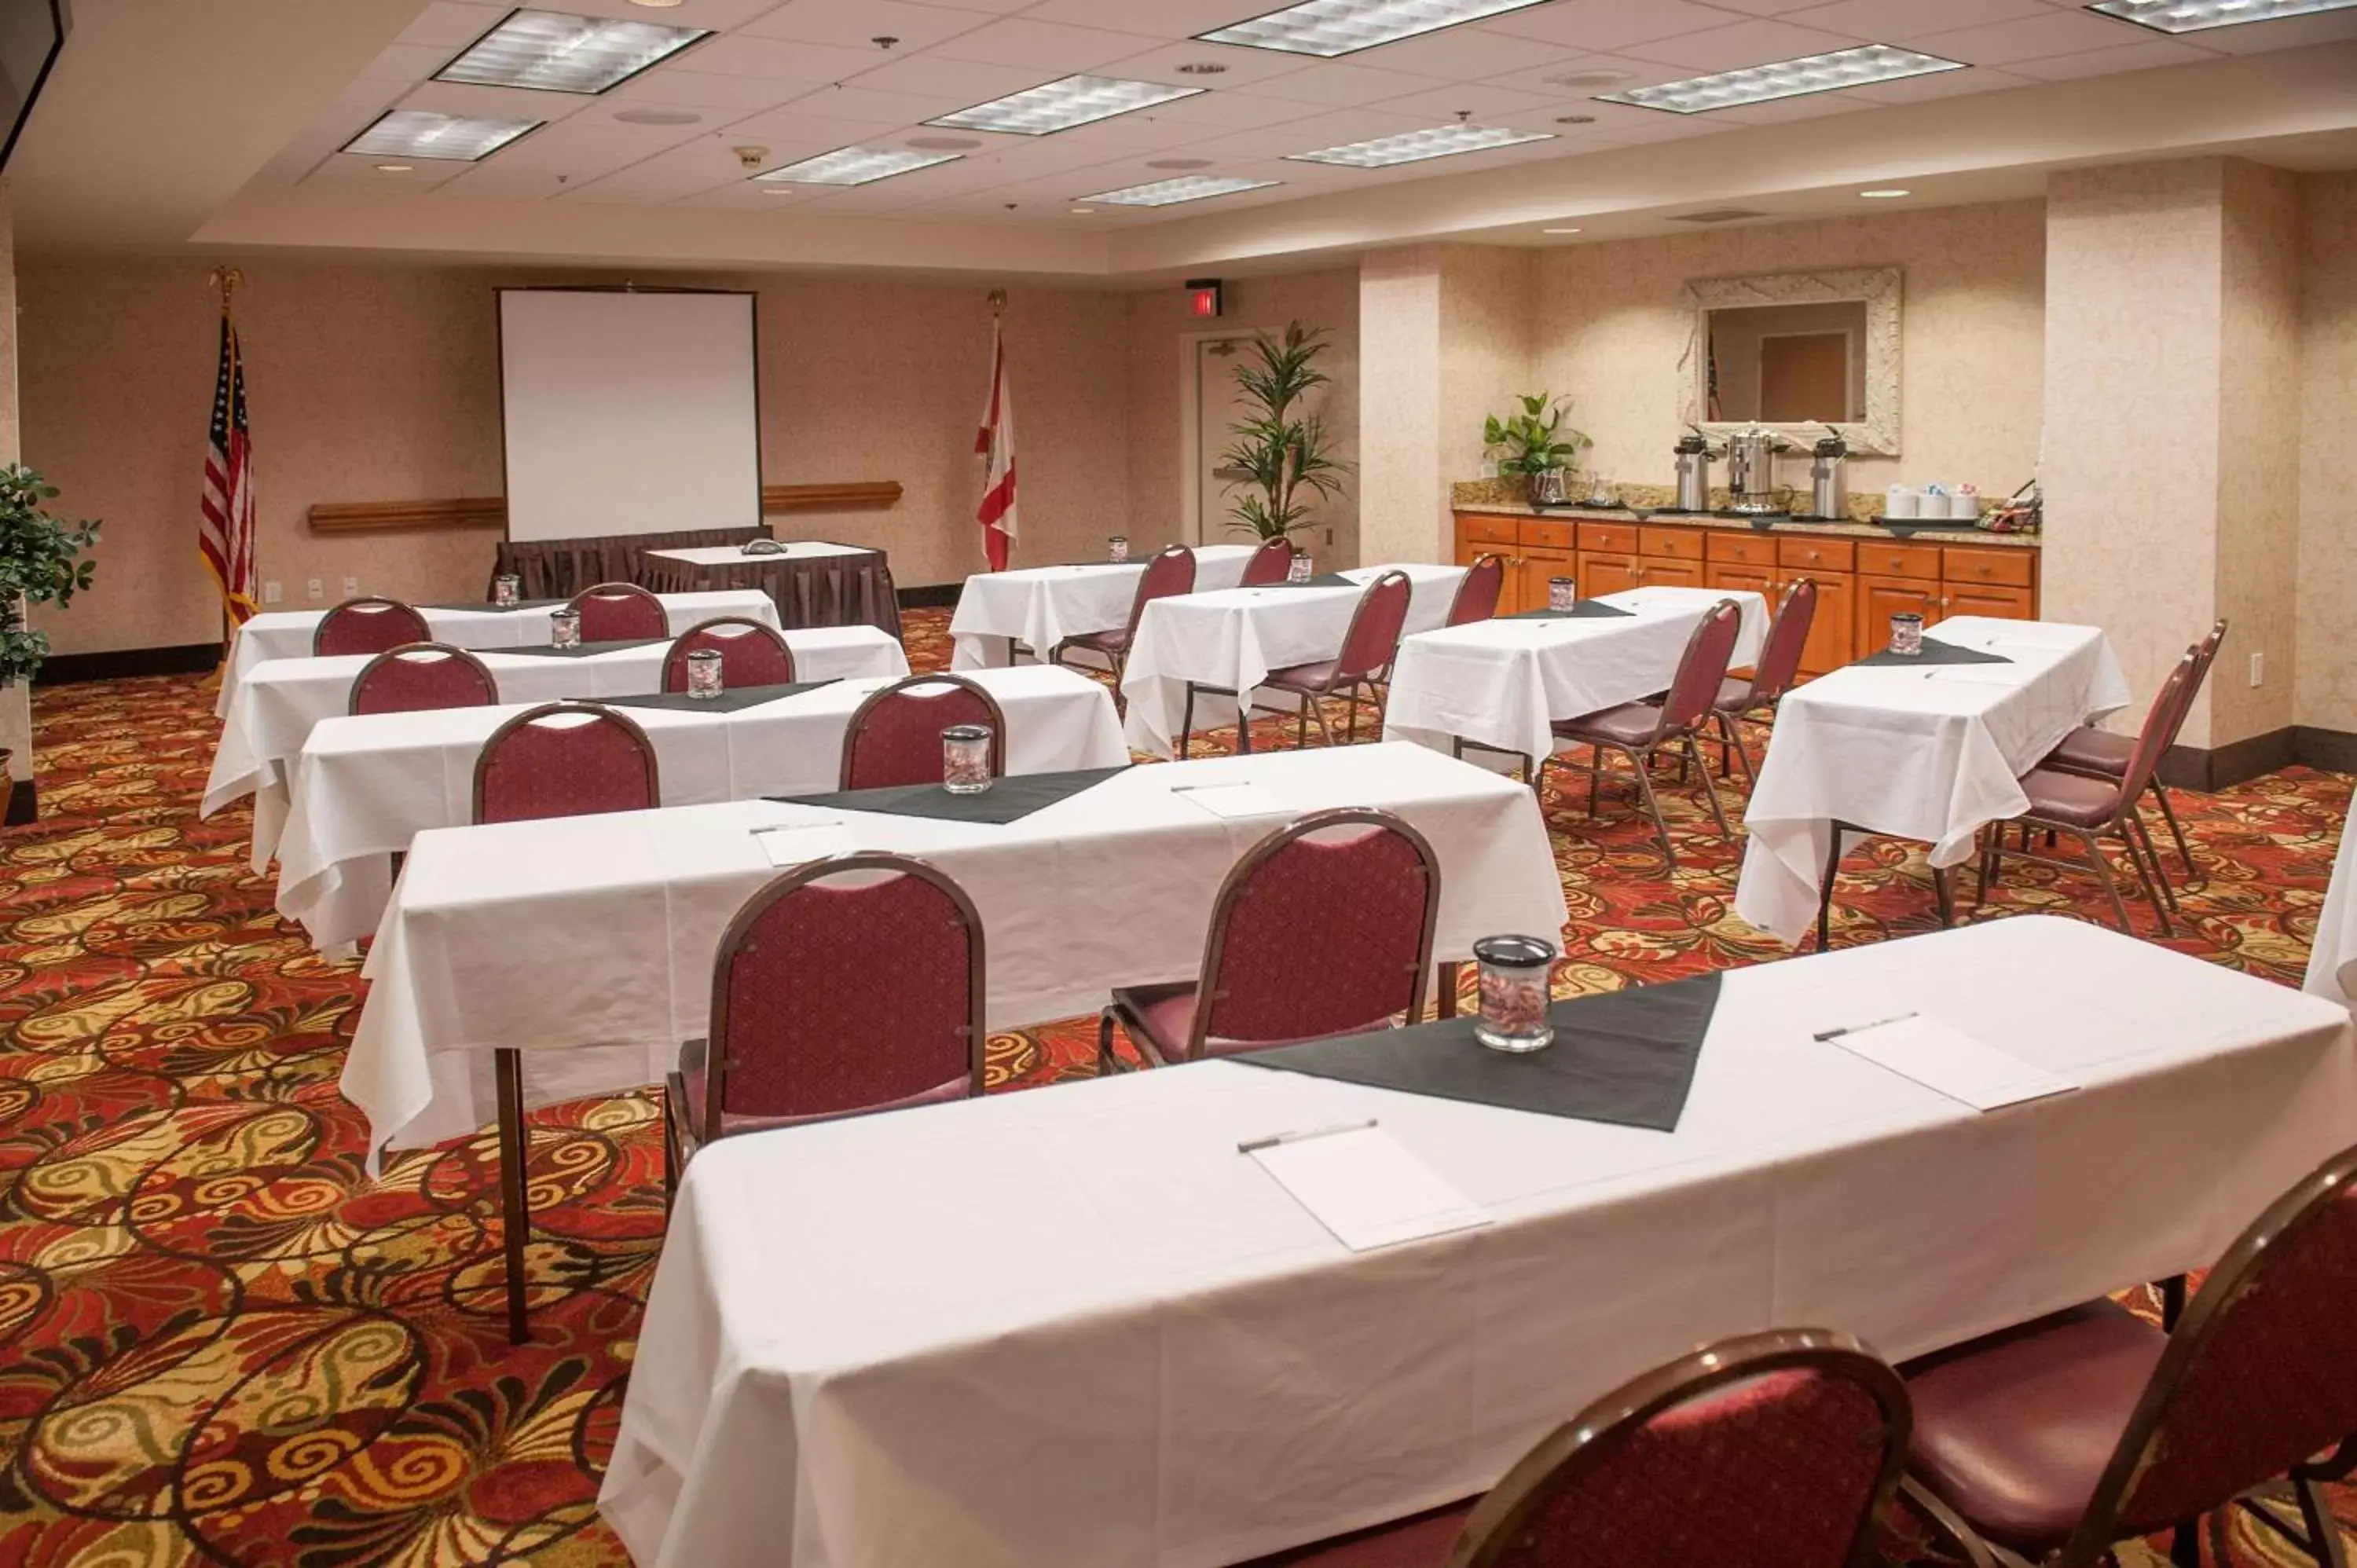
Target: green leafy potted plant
{"type": "Point", "coordinates": [38, 565]}
{"type": "Point", "coordinates": [1533, 442]}
{"type": "Point", "coordinates": [1283, 456]}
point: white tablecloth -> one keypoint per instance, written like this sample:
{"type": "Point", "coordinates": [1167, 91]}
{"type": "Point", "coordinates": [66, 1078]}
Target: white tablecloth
{"type": "Point", "coordinates": [734, 555]}
{"type": "Point", "coordinates": [491, 929]}
{"type": "Point", "coordinates": [1233, 637]}
{"type": "Point", "coordinates": [282, 699]}
{"type": "Point", "coordinates": [286, 634]}
{"type": "Point", "coordinates": [1041, 605]}
{"type": "Point", "coordinates": [1072, 1327]}
{"type": "Point", "coordinates": [1502, 683]}
{"type": "Point", "coordinates": [2332, 961]}
{"type": "Point", "coordinates": [1926, 754]}
{"type": "Point", "coordinates": [364, 787]}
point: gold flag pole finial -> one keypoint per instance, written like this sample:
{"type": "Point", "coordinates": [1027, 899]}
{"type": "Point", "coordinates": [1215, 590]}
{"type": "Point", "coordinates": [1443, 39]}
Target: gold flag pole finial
{"type": "Point", "coordinates": [226, 279]}
{"type": "Point", "coordinates": [997, 302]}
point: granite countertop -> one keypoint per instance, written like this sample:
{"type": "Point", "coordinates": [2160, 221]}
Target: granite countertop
{"type": "Point", "coordinates": [1928, 533]}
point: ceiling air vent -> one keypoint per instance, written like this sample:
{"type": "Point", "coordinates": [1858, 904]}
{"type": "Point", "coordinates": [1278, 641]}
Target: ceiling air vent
{"type": "Point", "coordinates": [1718, 215]}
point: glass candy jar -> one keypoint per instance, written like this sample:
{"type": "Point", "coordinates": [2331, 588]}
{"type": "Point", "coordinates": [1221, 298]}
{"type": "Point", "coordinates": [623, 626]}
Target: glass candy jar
{"type": "Point", "coordinates": [704, 676]}
{"type": "Point", "coordinates": [565, 628]}
{"type": "Point", "coordinates": [1906, 634]}
{"type": "Point", "coordinates": [965, 759]}
{"type": "Point", "coordinates": [1513, 982]}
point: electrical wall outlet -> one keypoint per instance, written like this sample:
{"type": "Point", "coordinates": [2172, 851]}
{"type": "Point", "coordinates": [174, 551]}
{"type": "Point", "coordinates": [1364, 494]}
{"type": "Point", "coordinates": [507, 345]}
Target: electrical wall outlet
{"type": "Point", "coordinates": [2258, 669]}
{"type": "Point", "coordinates": [315, 588]}
{"type": "Point", "coordinates": [271, 593]}
{"type": "Point", "coordinates": [351, 587]}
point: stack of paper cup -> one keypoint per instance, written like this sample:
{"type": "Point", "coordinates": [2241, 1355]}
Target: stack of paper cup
{"type": "Point", "coordinates": [1901, 501]}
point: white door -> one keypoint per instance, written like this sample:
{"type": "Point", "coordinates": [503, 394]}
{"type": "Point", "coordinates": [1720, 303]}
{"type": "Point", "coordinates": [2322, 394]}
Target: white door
{"type": "Point", "coordinates": [1220, 402]}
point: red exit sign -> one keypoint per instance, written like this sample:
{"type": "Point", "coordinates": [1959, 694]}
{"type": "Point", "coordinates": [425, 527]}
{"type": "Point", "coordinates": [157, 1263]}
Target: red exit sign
{"type": "Point", "coordinates": [1203, 297]}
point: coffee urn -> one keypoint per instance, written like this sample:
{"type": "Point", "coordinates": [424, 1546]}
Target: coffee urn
{"type": "Point", "coordinates": [1751, 469]}
{"type": "Point", "coordinates": [1829, 476]}
{"type": "Point", "coordinates": [1694, 472]}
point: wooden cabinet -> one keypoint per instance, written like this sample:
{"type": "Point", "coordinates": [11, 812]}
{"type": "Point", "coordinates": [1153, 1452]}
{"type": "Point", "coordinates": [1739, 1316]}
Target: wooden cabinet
{"type": "Point", "coordinates": [1534, 566]}
{"type": "Point", "coordinates": [2006, 604]}
{"type": "Point", "coordinates": [1602, 575]}
{"type": "Point", "coordinates": [1653, 570]}
{"type": "Point", "coordinates": [1833, 635]}
{"type": "Point", "coordinates": [1879, 598]}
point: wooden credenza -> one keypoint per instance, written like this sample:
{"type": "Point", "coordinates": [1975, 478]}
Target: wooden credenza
{"type": "Point", "coordinates": [1861, 580]}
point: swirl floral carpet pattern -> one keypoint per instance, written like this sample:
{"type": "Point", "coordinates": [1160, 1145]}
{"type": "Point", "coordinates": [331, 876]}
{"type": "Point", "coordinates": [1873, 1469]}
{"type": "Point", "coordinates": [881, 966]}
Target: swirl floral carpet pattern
{"type": "Point", "coordinates": [221, 1343]}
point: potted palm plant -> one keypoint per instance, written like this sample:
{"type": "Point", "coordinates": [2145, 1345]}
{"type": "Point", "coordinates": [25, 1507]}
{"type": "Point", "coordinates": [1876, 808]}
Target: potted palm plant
{"type": "Point", "coordinates": [38, 565]}
{"type": "Point", "coordinates": [1282, 456]}
{"type": "Point", "coordinates": [1533, 443]}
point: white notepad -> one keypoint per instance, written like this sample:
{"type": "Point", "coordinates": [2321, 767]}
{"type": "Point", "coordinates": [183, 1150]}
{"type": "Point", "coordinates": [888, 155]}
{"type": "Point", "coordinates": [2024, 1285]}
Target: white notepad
{"type": "Point", "coordinates": [798, 844]}
{"type": "Point", "coordinates": [1952, 1062]}
{"type": "Point", "coordinates": [1366, 1187]}
{"type": "Point", "coordinates": [1240, 800]}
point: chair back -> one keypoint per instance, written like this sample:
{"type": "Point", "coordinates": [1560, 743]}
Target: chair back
{"type": "Point", "coordinates": [1268, 565]}
{"type": "Point", "coordinates": [2260, 1375]}
{"type": "Point", "coordinates": [1373, 640]}
{"type": "Point", "coordinates": [619, 612]}
{"type": "Point", "coordinates": [1323, 928]}
{"type": "Point", "coordinates": [751, 654]}
{"type": "Point", "coordinates": [852, 983]}
{"type": "Point", "coordinates": [2206, 654]}
{"type": "Point", "coordinates": [565, 760]}
{"type": "Point", "coordinates": [2162, 721]}
{"type": "Point", "coordinates": [368, 626]}
{"type": "Point", "coordinates": [419, 675]}
{"type": "Point", "coordinates": [894, 737]}
{"type": "Point", "coordinates": [1478, 591]}
{"type": "Point", "coordinates": [1788, 634]}
{"type": "Point", "coordinates": [1169, 573]}
{"type": "Point", "coordinates": [1701, 667]}
{"type": "Point", "coordinates": [1774, 1450]}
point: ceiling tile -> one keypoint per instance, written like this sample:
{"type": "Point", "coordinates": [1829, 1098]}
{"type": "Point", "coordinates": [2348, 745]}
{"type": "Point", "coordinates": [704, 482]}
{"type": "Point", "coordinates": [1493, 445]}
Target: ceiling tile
{"type": "Point", "coordinates": [1630, 72]}
{"type": "Point", "coordinates": [1244, 67]}
{"type": "Point", "coordinates": [713, 16]}
{"type": "Point", "coordinates": [1217, 112]}
{"type": "Point", "coordinates": [1048, 49]}
{"type": "Point", "coordinates": [492, 103]}
{"type": "Point", "coordinates": [1336, 84]}
{"type": "Point", "coordinates": [1742, 44]}
{"type": "Point", "coordinates": [1490, 104]}
{"type": "Point", "coordinates": [1462, 54]}
{"type": "Point", "coordinates": [867, 104]}
{"type": "Point", "coordinates": [1607, 24]}
{"type": "Point", "coordinates": [2145, 55]}
{"type": "Point", "coordinates": [2035, 37]}
{"type": "Point", "coordinates": [966, 82]}
{"type": "Point", "coordinates": [697, 89]}
{"type": "Point", "coordinates": [1335, 130]}
{"type": "Point", "coordinates": [358, 171]}
{"type": "Point", "coordinates": [406, 62]}
{"type": "Point", "coordinates": [775, 60]}
{"type": "Point", "coordinates": [856, 24]}
{"type": "Point", "coordinates": [698, 165]}
{"type": "Point", "coordinates": [451, 26]}
{"type": "Point", "coordinates": [2287, 33]}
{"type": "Point", "coordinates": [1765, 7]}
{"type": "Point", "coordinates": [1903, 21]}
{"type": "Point", "coordinates": [1154, 18]}
{"type": "Point", "coordinates": [1941, 84]}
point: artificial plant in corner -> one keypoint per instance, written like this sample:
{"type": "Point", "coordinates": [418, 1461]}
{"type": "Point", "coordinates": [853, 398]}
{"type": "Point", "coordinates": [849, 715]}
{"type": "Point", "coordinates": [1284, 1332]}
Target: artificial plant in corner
{"type": "Point", "coordinates": [1285, 456]}
{"type": "Point", "coordinates": [38, 565]}
{"type": "Point", "coordinates": [1534, 441]}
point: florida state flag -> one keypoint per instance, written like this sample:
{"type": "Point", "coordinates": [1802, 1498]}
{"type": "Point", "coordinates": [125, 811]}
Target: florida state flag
{"type": "Point", "coordinates": [995, 445]}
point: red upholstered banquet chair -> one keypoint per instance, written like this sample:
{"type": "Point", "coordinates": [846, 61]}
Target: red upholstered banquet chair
{"type": "Point", "coordinates": [1771, 677]}
{"type": "Point", "coordinates": [1774, 1450]}
{"type": "Point", "coordinates": [619, 612]}
{"type": "Point", "coordinates": [894, 737]}
{"type": "Point", "coordinates": [2049, 1441]}
{"type": "Point", "coordinates": [1478, 591]}
{"type": "Point", "coordinates": [565, 760]}
{"type": "Point", "coordinates": [368, 626]}
{"type": "Point", "coordinates": [1323, 928]}
{"type": "Point", "coordinates": [2102, 754]}
{"type": "Point", "coordinates": [2087, 809]}
{"type": "Point", "coordinates": [1267, 565]}
{"type": "Point", "coordinates": [418, 675]}
{"type": "Point", "coordinates": [1171, 573]}
{"type": "Point", "coordinates": [751, 654]}
{"type": "Point", "coordinates": [1640, 729]}
{"type": "Point", "coordinates": [847, 985]}
{"type": "Point", "coordinates": [1369, 645]}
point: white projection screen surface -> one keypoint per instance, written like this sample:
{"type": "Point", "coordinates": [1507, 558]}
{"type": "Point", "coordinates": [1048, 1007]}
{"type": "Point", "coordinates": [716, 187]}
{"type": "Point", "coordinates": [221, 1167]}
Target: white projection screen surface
{"type": "Point", "coordinates": [628, 412]}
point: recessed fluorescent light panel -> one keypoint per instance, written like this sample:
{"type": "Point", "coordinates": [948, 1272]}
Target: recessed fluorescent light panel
{"type": "Point", "coordinates": [557, 53]}
{"type": "Point", "coordinates": [1330, 27]}
{"type": "Point", "coordinates": [1189, 187]}
{"type": "Point", "coordinates": [856, 165]}
{"type": "Point", "coordinates": [421, 134]}
{"type": "Point", "coordinates": [2195, 16]}
{"type": "Point", "coordinates": [1860, 66]}
{"type": "Point", "coordinates": [1440, 142]}
{"type": "Point", "coordinates": [1060, 105]}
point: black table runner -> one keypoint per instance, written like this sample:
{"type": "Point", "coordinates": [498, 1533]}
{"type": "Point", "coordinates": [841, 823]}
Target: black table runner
{"type": "Point", "coordinates": [1006, 800]}
{"type": "Point", "coordinates": [584, 649]}
{"type": "Point", "coordinates": [1582, 609]}
{"type": "Point", "coordinates": [1323, 580]}
{"type": "Point", "coordinates": [730, 700]}
{"type": "Point", "coordinates": [485, 607]}
{"type": "Point", "coordinates": [1626, 1057]}
{"type": "Point", "coordinates": [1934, 653]}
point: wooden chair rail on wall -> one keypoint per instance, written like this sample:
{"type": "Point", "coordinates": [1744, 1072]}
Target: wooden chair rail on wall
{"type": "Point", "coordinates": [490, 511]}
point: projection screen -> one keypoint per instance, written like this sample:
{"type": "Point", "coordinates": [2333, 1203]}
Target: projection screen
{"type": "Point", "coordinates": [628, 412]}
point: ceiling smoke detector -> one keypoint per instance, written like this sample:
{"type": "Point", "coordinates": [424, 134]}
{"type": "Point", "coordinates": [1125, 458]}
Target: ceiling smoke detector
{"type": "Point", "coordinates": [1178, 163]}
{"type": "Point", "coordinates": [751, 157]}
{"type": "Point", "coordinates": [1575, 119]}
{"type": "Point", "coordinates": [658, 117]}
{"type": "Point", "coordinates": [1586, 78]}
{"type": "Point", "coordinates": [944, 144]}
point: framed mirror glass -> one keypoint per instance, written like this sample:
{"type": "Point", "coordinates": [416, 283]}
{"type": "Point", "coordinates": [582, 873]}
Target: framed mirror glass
{"type": "Point", "coordinates": [1797, 352]}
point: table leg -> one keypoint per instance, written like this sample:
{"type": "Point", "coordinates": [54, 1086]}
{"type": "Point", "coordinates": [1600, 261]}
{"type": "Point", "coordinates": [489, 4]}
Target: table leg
{"type": "Point", "coordinates": [515, 1205]}
{"type": "Point", "coordinates": [1446, 1004]}
{"type": "Point", "coordinates": [1946, 894]}
{"type": "Point", "coordinates": [1826, 893]}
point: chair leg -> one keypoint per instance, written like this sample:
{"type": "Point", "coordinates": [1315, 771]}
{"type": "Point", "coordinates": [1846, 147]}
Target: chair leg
{"type": "Point", "coordinates": [1351, 725]}
{"type": "Point", "coordinates": [2176, 830]}
{"type": "Point", "coordinates": [1732, 728]}
{"type": "Point", "coordinates": [1301, 724]}
{"type": "Point", "coordinates": [1709, 790]}
{"type": "Point", "coordinates": [1992, 845]}
{"type": "Point", "coordinates": [1944, 892]}
{"type": "Point", "coordinates": [2152, 856]}
{"type": "Point", "coordinates": [2323, 1534]}
{"type": "Point", "coordinates": [1323, 727]}
{"type": "Point", "coordinates": [1594, 768]}
{"type": "Point", "coordinates": [1107, 1065]}
{"type": "Point", "coordinates": [1186, 721]}
{"type": "Point", "coordinates": [1826, 890]}
{"type": "Point", "coordinates": [1661, 823]}
{"type": "Point", "coordinates": [2102, 868]}
{"type": "Point", "coordinates": [1243, 724]}
{"type": "Point", "coordinates": [2136, 859]}
{"type": "Point", "coordinates": [515, 1202]}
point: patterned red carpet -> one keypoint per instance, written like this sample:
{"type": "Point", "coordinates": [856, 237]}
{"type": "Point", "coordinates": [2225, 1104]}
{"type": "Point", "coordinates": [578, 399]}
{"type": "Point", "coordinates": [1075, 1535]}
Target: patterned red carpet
{"type": "Point", "coordinates": [220, 1343]}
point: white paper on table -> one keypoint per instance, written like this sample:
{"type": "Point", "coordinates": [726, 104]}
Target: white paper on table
{"type": "Point", "coordinates": [1367, 1189]}
{"type": "Point", "coordinates": [799, 843]}
{"type": "Point", "coordinates": [1968, 676]}
{"type": "Point", "coordinates": [1951, 1062]}
{"type": "Point", "coordinates": [1235, 802]}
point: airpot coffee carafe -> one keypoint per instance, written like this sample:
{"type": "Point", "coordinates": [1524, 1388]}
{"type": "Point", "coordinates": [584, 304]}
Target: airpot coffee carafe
{"type": "Point", "coordinates": [1829, 476]}
{"type": "Point", "coordinates": [1694, 472]}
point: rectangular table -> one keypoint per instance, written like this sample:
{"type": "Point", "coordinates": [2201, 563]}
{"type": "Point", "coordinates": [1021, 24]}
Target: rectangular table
{"type": "Point", "coordinates": [1144, 1352]}
{"type": "Point", "coordinates": [813, 582]}
{"type": "Point", "coordinates": [1930, 754]}
{"type": "Point", "coordinates": [364, 787]}
{"type": "Point", "coordinates": [1501, 684]}
{"type": "Point", "coordinates": [2332, 960]}
{"type": "Point", "coordinates": [1039, 606]}
{"type": "Point", "coordinates": [1231, 639]}
{"type": "Point", "coordinates": [286, 634]}
{"type": "Point", "coordinates": [281, 700]}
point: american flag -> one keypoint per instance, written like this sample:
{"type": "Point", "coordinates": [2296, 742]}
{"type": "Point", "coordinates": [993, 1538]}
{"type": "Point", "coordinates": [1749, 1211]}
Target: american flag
{"type": "Point", "coordinates": [226, 533]}
{"type": "Point", "coordinates": [995, 443]}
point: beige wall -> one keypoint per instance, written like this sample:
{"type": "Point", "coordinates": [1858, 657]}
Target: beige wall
{"type": "Point", "coordinates": [2327, 683]}
{"type": "Point", "coordinates": [383, 384]}
{"type": "Point", "coordinates": [1612, 325]}
{"type": "Point", "coordinates": [1404, 483]}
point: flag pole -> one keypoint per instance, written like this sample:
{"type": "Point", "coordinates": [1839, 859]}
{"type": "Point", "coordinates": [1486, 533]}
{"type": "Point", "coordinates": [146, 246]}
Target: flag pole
{"type": "Point", "coordinates": [226, 280]}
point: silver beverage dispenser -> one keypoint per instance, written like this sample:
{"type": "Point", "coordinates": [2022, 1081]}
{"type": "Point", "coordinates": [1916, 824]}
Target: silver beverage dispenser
{"type": "Point", "coordinates": [1751, 469]}
{"type": "Point", "coordinates": [1693, 455]}
{"type": "Point", "coordinates": [1829, 476]}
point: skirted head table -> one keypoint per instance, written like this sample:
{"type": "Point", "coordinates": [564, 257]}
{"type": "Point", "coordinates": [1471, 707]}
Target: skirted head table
{"type": "Point", "coordinates": [815, 582]}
